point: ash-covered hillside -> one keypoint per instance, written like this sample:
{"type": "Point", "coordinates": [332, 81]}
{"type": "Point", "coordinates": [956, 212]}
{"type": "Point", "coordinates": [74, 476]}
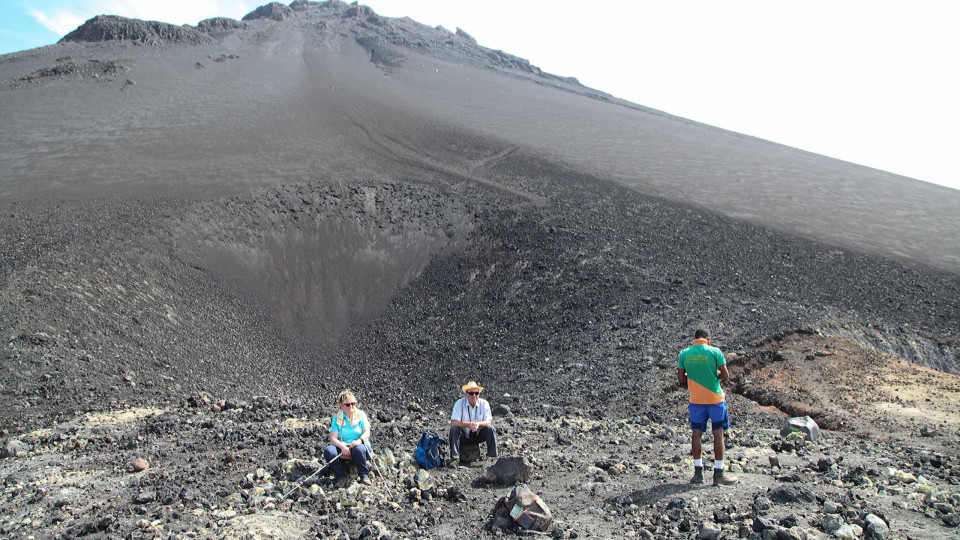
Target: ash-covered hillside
{"type": "Point", "coordinates": [208, 231]}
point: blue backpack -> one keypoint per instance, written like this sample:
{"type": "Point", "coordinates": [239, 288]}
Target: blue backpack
{"type": "Point", "coordinates": [428, 453]}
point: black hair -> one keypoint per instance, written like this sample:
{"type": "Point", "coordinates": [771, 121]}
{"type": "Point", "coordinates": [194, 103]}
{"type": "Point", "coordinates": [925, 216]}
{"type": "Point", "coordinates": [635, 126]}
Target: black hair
{"type": "Point", "coordinates": [702, 334]}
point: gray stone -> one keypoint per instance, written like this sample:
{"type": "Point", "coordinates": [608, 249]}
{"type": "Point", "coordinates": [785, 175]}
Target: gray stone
{"type": "Point", "coordinates": [793, 533]}
{"type": "Point", "coordinates": [943, 508]}
{"type": "Point", "coordinates": [14, 448]}
{"type": "Point", "coordinates": [951, 520]}
{"type": "Point", "coordinates": [876, 528]}
{"type": "Point", "coordinates": [423, 481]}
{"type": "Point", "coordinates": [145, 497]}
{"type": "Point", "coordinates": [831, 524]}
{"type": "Point", "coordinates": [762, 524]}
{"type": "Point", "coordinates": [507, 471]}
{"type": "Point", "coordinates": [502, 410]}
{"type": "Point", "coordinates": [709, 531]}
{"type": "Point", "coordinates": [831, 507]}
{"type": "Point", "coordinates": [469, 452]}
{"type": "Point", "coordinates": [846, 532]}
{"type": "Point", "coordinates": [761, 504]}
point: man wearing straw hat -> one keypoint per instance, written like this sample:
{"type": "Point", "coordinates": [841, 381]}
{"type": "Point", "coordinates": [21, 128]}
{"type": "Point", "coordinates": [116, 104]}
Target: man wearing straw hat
{"type": "Point", "coordinates": [472, 421]}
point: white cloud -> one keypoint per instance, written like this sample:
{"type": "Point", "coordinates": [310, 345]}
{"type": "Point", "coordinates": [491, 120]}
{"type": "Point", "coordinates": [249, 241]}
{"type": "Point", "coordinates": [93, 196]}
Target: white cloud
{"type": "Point", "coordinates": [175, 11]}
{"type": "Point", "coordinates": [60, 21]}
{"type": "Point", "coordinates": [64, 20]}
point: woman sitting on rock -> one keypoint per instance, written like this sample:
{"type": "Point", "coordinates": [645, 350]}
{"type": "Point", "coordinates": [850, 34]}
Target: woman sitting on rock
{"type": "Point", "coordinates": [350, 439]}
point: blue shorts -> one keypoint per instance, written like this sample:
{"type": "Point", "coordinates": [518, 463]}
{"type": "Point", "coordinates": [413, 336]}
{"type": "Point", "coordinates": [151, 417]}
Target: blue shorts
{"type": "Point", "coordinates": [717, 414]}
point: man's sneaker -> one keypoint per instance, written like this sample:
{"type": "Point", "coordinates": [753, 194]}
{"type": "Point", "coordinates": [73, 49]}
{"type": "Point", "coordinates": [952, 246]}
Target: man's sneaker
{"type": "Point", "coordinates": [697, 475]}
{"type": "Point", "coordinates": [453, 463]}
{"type": "Point", "coordinates": [342, 482]}
{"type": "Point", "coordinates": [720, 479]}
{"type": "Point", "coordinates": [365, 480]}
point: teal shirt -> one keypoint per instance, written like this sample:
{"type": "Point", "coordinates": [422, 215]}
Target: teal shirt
{"type": "Point", "coordinates": [347, 432]}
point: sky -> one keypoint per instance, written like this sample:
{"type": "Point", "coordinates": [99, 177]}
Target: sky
{"type": "Point", "coordinates": [872, 82]}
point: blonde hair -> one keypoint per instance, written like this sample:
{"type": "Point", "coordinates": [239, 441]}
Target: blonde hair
{"type": "Point", "coordinates": [345, 396]}
{"type": "Point", "coordinates": [340, 417]}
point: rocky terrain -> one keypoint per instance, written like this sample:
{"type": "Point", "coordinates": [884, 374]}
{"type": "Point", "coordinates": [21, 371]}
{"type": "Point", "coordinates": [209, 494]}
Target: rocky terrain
{"type": "Point", "coordinates": [182, 303]}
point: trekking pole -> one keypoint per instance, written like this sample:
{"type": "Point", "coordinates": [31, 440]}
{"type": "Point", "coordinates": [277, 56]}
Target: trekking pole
{"type": "Point", "coordinates": [376, 467]}
{"type": "Point", "coordinates": [303, 481]}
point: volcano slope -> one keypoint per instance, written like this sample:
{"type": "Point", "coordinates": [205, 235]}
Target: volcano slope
{"type": "Point", "coordinates": [204, 240]}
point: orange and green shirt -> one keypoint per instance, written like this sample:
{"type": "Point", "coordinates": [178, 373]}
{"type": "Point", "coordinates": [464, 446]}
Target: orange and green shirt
{"type": "Point", "coordinates": [701, 362]}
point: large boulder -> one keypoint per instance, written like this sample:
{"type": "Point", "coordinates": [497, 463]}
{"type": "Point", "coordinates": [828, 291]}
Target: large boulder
{"type": "Point", "coordinates": [507, 471]}
{"type": "Point", "coordinates": [14, 448]}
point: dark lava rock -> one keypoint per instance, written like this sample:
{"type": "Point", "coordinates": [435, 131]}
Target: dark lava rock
{"type": "Point", "coordinates": [761, 505]}
{"type": "Point", "coordinates": [763, 524]}
{"type": "Point", "coordinates": [273, 10]}
{"type": "Point", "coordinates": [502, 410]}
{"type": "Point", "coordinates": [220, 24]}
{"type": "Point", "coordinates": [507, 471]}
{"type": "Point", "coordinates": [115, 28]}
{"type": "Point", "coordinates": [791, 494]}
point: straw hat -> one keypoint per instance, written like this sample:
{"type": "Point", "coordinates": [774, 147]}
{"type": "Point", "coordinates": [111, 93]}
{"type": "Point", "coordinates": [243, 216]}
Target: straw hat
{"type": "Point", "coordinates": [472, 385]}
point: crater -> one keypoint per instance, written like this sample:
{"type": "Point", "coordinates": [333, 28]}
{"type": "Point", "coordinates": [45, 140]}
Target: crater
{"type": "Point", "coordinates": [322, 256]}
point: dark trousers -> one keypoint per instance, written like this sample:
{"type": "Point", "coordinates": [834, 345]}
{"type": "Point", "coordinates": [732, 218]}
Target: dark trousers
{"type": "Point", "coordinates": [485, 434]}
{"type": "Point", "coordinates": [360, 455]}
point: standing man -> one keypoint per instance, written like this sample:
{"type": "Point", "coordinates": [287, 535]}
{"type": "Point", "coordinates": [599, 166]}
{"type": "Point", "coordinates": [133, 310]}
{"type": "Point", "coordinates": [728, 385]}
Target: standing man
{"type": "Point", "coordinates": [702, 367]}
{"type": "Point", "coordinates": [471, 421]}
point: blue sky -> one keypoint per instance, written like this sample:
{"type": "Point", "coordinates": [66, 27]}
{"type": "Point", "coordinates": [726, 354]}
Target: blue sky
{"type": "Point", "coordinates": [867, 81]}
{"type": "Point", "coordinates": [21, 30]}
